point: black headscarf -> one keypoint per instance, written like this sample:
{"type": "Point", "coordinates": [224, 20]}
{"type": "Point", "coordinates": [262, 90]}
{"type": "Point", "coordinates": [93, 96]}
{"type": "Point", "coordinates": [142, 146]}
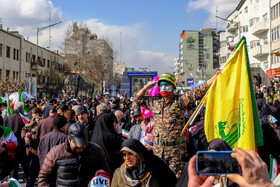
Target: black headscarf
{"type": "Point", "coordinates": [163, 175]}
{"type": "Point", "coordinates": [106, 137]}
{"type": "Point", "coordinates": [218, 145]}
{"type": "Point", "coordinates": [265, 111]}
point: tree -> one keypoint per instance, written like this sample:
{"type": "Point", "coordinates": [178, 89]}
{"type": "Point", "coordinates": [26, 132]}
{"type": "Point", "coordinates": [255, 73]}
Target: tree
{"type": "Point", "coordinates": [88, 59]}
{"type": "Point", "coordinates": [10, 86]}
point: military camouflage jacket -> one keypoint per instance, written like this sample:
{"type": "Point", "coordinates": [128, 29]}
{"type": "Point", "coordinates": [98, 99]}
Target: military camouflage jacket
{"type": "Point", "coordinates": [168, 117]}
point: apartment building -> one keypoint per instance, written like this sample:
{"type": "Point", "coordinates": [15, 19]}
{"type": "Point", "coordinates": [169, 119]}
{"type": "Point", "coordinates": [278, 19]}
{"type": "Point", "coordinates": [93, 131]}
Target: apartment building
{"type": "Point", "coordinates": [17, 63]}
{"type": "Point", "coordinates": [198, 55]}
{"type": "Point", "coordinates": [259, 22]}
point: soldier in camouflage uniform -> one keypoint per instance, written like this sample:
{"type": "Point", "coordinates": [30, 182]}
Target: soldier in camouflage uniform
{"type": "Point", "coordinates": [168, 114]}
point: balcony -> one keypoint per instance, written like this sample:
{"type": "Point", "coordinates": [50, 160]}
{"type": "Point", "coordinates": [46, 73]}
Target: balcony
{"type": "Point", "coordinates": [232, 27]}
{"type": "Point", "coordinates": [260, 28]}
{"type": "Point", "coordinates": [260, 51]}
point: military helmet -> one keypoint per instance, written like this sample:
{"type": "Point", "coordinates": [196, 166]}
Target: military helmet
{"type": "Point", "coordinates": [167, 77]}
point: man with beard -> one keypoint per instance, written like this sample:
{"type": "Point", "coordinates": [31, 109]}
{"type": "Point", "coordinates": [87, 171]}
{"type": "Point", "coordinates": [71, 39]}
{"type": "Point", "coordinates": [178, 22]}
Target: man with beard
{"type": "Point", "coordinates": [125, 110]}
{"type": "Point", "coordinates": [169, 120]}
{"type": "Point", "coordinates": [74, 162]}
{"type": "Point", "coordinates": [83, 118]}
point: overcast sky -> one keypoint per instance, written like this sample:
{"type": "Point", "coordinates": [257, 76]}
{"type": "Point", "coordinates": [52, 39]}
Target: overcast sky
{"type": "Point", "coordinates": [149, 29]}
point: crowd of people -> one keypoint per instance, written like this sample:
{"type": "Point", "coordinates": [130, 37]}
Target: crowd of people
{"type": "Point", "coordinates": [137, 142]}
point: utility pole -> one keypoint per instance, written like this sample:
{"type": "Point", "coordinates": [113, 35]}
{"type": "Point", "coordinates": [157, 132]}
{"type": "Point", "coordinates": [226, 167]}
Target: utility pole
{"type": "Point", "coordinates": [39, 30]}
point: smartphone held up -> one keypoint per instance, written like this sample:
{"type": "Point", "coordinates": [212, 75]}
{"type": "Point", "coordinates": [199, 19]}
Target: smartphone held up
{"type": "Point", "coordinates": [216, 163]}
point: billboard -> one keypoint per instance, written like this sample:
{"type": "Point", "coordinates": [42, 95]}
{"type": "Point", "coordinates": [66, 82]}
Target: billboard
{"type": "Point", "coordinates": [190, 82]}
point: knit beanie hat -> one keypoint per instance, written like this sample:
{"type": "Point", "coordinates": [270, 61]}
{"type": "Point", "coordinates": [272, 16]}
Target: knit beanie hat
{"type": "Point", "coordinates": [101, 179]}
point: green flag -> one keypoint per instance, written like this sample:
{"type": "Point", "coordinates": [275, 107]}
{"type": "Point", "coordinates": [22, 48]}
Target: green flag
{"type": "Point", "coordinates": [1, 100]}
{"type": "Point", "coordinates": [9, 108]}
{"type": "Point", "coordinates": [21, 99]}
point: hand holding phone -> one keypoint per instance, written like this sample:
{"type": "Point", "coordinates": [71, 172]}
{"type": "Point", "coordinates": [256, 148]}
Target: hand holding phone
{"type": "Point", "coordinates": [216, 163]}
{"type": "Point", "coordinates": [254, 169]}
{"type": "Point", "coordinates": [196, 180]}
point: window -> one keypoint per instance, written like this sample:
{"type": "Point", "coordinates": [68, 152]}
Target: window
{"type": "Point", "coordinates": [1, 46]}
{"type": "Point", "coordinates": [8, 52]}
{"type": "Point", "coordinates": [275, 35]}
{"type": "Point", "coordinates": [48, 63]}
{"type": "Point", "coordinates": [275, 11]}
{"type": "Point", "coordinates": [272, 13]}
{"type": "Point", "coordinates": [0, 74]}
{"type": "Point", "coordinates": [254, 43]}
{"type": "Point", "coordinates": [254, 21]}
{"type": "Point", "coordinates": [7, 74]}
{"type": "Point", "coordinates": [14, 54]}
{"type": "Point", "coordinates": [246, 9]}
{"type": "Point", "coordinates": [14, 75]}
{"type": "Point", "coordinates": [17, 53]}
{"type": "Point", "coordinates": [244, 28]}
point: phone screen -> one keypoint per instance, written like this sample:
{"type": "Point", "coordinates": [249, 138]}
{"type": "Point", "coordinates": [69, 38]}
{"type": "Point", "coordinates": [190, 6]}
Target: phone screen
{"type": "Point", "coordinates": [216, 163]}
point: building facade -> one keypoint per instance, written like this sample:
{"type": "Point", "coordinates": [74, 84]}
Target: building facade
{"type": "Point", "coordinates": [198, 58]}
{"type": "Point", "coordinates": [18, 65]}
{"type": "Point", "coordinates": [259, 22]}
{"type": "Point", "coordinates": [88, 57]}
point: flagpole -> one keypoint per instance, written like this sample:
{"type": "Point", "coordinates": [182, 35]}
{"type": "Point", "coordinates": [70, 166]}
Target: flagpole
{"type": "Point", "coordinates": [194, 115]}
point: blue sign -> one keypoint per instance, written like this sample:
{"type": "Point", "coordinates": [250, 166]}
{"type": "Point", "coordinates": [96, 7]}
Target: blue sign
{"type": "Point", "coordinates": [139, 74]}
{"type": "Point", "coordinates": [190, 82]}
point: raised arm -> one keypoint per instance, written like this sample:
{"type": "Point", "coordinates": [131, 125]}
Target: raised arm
{"type": "Point", "coordinates": [148, 86]}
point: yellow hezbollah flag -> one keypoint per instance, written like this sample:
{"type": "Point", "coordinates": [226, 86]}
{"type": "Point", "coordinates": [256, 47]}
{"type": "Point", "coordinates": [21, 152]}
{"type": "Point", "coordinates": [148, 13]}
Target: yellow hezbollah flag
{"type": "Point", "coordinates": [231, 110]}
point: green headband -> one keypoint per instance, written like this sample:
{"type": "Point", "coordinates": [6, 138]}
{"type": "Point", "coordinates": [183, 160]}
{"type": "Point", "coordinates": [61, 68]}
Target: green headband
{"type": "Point", "coordinates": [165, 83]}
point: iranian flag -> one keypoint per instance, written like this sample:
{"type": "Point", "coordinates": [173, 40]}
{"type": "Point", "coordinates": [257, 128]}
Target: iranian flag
{"type": "Point", "coordinates": [14, 101]}
{"type": "Point", "coordinates": [125, 133]}
{"type": "Point", "coordinates": [228, 46]}
{"type": "Point", "coordinates": [32, 62]}
{"type": "Point", "coordinates": [9, 108]}
{"type": "Point", "coordinates": [25, 118]}
{"type": "Point", "coordinates": [273, 171]}
{"type": "Point", "coordinates": [63, 92]}
{"type": "Point", "coordinates": [10, 140]}
{"type": "Point", "coordinates": [191, 75]}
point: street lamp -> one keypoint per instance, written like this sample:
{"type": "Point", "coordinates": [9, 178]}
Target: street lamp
{"type": "Point", "coordinates": [39, 30]}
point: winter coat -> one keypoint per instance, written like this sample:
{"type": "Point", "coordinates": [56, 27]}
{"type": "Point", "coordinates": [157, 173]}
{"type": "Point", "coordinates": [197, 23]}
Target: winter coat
{"type": "Point", "coordinates": [63, 167]}
{"type": "Point", "coordinates": [48, 141]}
{"type": "Point", "coordinates": [45, 126]}
{"type": "Point", "coordinates": [46, 110]}
{"type": "Point", "coordinates": [16, 123]}
{"type": "Point", "coordinates": [135, 132]}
